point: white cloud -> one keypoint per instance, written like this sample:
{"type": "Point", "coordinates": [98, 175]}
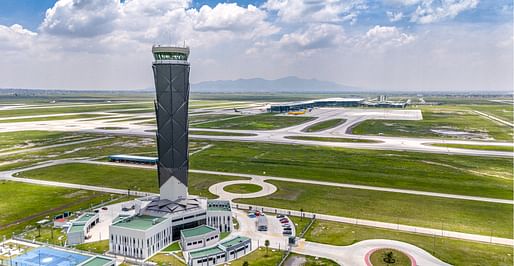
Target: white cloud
{"type": "Point", "coordinates": [233, 18]}
{"type": "Point", "coordinates": [81, 18]}
{"type": "Point", "coordinates": [430, 11]}
{"type": "Point", "coordinates": [383, 37]}
{"type": "Point", "coordinates": [316, 10]}
{"type": "Point", "coordinates": [314, 37]}
{"type": "Point", "coordinates": [15, 37]}
{"type": "Point", "coordinates": [394, 16]}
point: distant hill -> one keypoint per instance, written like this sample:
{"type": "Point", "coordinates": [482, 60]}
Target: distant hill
{"type": "Point", "coordinates": [287, 84]}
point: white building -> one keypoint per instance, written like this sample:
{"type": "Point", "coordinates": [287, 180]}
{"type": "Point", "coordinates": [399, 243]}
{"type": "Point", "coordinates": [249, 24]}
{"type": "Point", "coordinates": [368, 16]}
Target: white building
{"type": "Point", "coordinates": [199, 237]}
{"type": "Point", "coordinates": [79, 228]}
{"type": "Point", "coordinates": [219, 215]}
{"type": "Point", "coordinates": [223, 252]}
{"type": "Point", "coordinates": [139, 236]}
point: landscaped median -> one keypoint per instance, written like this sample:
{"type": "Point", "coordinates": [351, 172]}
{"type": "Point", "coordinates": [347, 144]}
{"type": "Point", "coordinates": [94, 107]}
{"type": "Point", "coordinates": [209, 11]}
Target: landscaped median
{"type": "Point", "coordinates": [324, 125]}
{"type": "Point", "coordinates": [473, 147]}
{"type": "Point", "coordinates": [333, 139]}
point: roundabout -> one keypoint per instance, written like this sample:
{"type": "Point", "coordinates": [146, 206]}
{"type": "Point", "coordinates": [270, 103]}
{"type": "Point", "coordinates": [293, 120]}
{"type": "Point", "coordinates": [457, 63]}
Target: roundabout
{"type": "Point", "coordinates": [239, 189]}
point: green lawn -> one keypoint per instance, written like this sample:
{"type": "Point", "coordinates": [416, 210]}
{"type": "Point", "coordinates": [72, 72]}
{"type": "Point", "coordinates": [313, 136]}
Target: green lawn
{"type": "Point", "coordinates": [451, 214]}
{"type": "Point", "coordinates": [327, 124]}
{"type": "Point", "coordinates": [329, 139]}
{"type": "Point", "coordinates": [175, 246]}
{"type": "Point", "coordinates": [71, 109]}
{"type": "Point", "coordinates": [259, 257]}
{"type": "Point", "coordinates": [122, 177]}
{"type": "Point", "coordinates": [23, 204]}
{"type": "Point", "coordinates": [257, 122]}
{"type": "Point", "coordinates": [453, 118]}
{"type": "Point", "coordinates": [27, 139]}
{"type": "Point", "coordinates": [164, 259]}
{"type": "Point", "coordinates": [50, 118]}
{"type": "Point", "coordinates": [218, 133]}
{"type": "Point", "coordinates": [47, 234]}
{"type": "Point", "coordinates": [475, 147]}
{"type": "Point", "coordinates": [309, 260]}
{"type": "Point", "coordinates": [242, 188]}
{"type": "Point", "coordinates": [455, 174]}
{"type": "Point", "coordinates": [456, 252]}
{"type": "Point", "coordinates": [99, 247]}
{"type": "Point", "coordinates": [502, 111]}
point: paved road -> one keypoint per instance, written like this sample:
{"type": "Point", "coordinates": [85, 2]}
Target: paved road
{"type": "Point", "coordinates": [344, 255]}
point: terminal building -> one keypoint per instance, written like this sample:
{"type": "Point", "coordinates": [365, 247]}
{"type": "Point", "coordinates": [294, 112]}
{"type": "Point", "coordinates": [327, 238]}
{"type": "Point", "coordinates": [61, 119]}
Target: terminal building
{"type": "Point", "coordinates": [380, 102]}
{"type": "Point", "coordinates": [160, 220]}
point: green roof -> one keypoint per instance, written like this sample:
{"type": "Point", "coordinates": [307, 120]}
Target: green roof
{"type": "Point", "coordinates": [76, 228]}
{"type": "Point", "coordinates": [85, 217]}
{"type": "Point", "coordinates": [218, 205]}
{"type": "Point", "coordinates": [234, 241]}
{"type": "Point", "coordinates": [205, 252]}
{"type": "Point", "coordinates": [197, 231]}
{"type": "Point", "coordinates": [143, 222]}
{"type": "Point", "coordinates": [96, 261]}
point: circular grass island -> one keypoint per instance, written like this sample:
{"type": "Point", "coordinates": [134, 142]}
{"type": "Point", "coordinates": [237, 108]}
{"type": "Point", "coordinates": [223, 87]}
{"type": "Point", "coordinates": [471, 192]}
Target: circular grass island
{"type": "Point", "coordinates": [242, 188]}
{"type": "Point", "coordinates": [389, 257]}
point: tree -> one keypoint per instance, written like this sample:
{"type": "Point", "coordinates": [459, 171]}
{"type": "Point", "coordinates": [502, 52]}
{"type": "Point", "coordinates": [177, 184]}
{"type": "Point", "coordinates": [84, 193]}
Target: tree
{"type": "Point", "coordinates": [266, 244]}
{"type": "Point", "coordinates": [245, 263]}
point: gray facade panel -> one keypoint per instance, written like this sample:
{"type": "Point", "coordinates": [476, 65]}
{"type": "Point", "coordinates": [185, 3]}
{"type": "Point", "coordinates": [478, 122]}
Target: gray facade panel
{"type": "Point", "coordinates": [171, 108]}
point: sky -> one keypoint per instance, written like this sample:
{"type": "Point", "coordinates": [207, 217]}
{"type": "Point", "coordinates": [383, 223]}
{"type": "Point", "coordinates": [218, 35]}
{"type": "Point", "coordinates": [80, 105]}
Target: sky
{"type": "Point", "coordinates": [410, 45]}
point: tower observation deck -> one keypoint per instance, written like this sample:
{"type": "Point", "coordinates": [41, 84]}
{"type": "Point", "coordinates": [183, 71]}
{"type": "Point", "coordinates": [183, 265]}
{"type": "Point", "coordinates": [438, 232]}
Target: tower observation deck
{"type": "Point", "coordinates": [171, 76]}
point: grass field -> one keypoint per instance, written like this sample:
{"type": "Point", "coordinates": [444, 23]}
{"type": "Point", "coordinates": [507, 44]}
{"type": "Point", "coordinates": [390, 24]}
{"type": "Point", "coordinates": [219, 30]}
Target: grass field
{"type": "Point", "coordinates": [257, 122]}
{"type": "Point", "coordinates": [28, 139]}
{"type": "Point", "coordinates": [450, 214]}
{"type": "Point", "coordinates": [327, 124]}
{"type": "Point", "coordinates": [453, 118]}
{"type": "Point", "coordinates": [122, 177]}
{"type": "Point", "coordinates": [475, 147]}
{"type": "Point", "coordinates": [242, 188]}
{"type": "Point", "coordinates": [23, 204]}
{"type": "Point", "coordinates": [50, 118]}
{"type": "Point", "coordinates": [99, 247]}
{"type": "Point", "coordinates": [72, 109]}
{"type": "Point", "coordinates": [260, 258]}
{"type": "Point", "coordinates": [164, 259]}
{"type": "Point", "coordinates": [456, 252]}
{"type": "Point", "coordinates": [329, 139]}
{"type": "Point", "coordinates": [467, 175]}
{"type": "Point", "coordinates": [502, 111]}
{"type": "Point", "coordinates": [218, 133]}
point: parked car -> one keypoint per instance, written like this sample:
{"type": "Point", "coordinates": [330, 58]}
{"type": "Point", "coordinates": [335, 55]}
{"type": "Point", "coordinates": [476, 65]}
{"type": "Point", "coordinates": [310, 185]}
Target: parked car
{"type": "Point", "coordinates": [280, 216]}
{"type": "Point", "coordinates": [286, 225]}
{"type": "Point", "coordinates": [97, 210]}
{"type": "Point", "coordinates": [287, 233]}
{"type": "Point", "coordinates": [104, 208]}
{"type": "Point", "coordinates": [251, 215]}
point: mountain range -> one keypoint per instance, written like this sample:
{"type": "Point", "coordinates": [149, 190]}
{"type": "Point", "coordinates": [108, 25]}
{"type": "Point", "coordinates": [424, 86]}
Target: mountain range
{"type": "Point", "coordinates": [286, 84]}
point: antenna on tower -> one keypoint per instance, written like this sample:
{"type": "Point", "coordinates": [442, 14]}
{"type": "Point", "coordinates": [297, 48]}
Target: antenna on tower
{"type": "Point", "coordinates": [184, 43]}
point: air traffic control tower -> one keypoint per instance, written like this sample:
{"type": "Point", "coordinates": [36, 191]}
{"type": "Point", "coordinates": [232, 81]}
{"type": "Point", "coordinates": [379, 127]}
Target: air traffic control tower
{"type": "Point", "coordinates": [171, 75]}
